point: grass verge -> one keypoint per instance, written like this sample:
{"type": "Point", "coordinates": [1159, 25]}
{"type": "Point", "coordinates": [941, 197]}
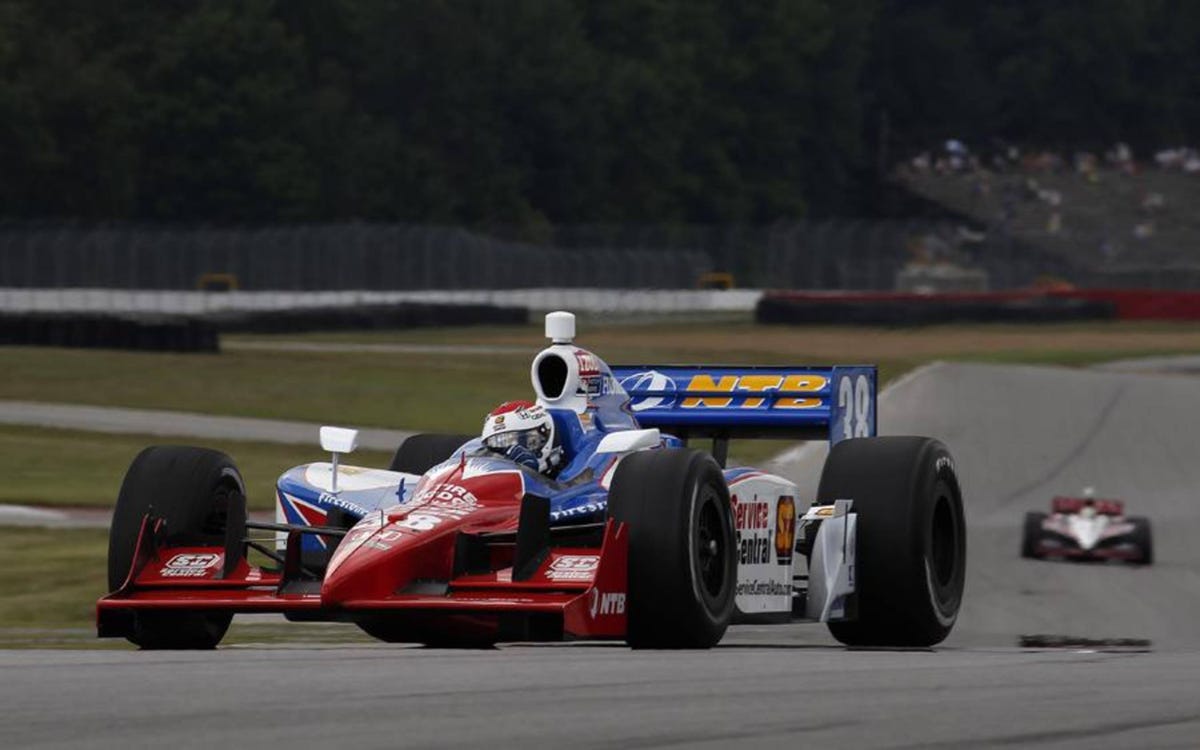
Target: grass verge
{"type": "Point", "coordinates": [50, 580]}
{"type": "Point", "coordinates": [452, 392]}
{"type": "Point", "coordinates": [71, 468]}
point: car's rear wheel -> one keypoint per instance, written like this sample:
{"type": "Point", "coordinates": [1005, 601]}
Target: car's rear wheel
{"type": "Point", "coordinates": [1031, 536]}
{"type": "Point", "coordinates": [420, 453]}
{"type": "Point", "coordinates": [682, 549]}
{"type": "Point", "coordinates": [910, 560]}
{"type": "Point", "coordinates": [191, 490]}
{"type": "Point", "coordinates": [1143, 539]}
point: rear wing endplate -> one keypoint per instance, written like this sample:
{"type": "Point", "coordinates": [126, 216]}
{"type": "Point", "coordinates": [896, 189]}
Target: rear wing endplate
{"type": "Point", "coordinates": [724, 402]}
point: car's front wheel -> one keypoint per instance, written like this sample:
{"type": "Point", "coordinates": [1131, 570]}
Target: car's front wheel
{"type": "Point", "coordinates": [910, 558]}
{"type": "Point", "coordinates": [191, 490]}
{"type": "Point", "coordinates": [1143, 539]}
{"type": "Point", "coordinates": [1031, 535]}
{"type": "Point", "coordinates": [420, 453]}
{"type": "Point", "coordinates": [682, 561]}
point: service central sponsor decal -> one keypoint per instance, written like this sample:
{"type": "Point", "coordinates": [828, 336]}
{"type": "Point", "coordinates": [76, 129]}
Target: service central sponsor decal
{"type": "Point", "coordinates": [765, 523]}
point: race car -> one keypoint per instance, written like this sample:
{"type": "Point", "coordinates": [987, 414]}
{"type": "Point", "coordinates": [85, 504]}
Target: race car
{"type": "Point", "coordinates": [636, 536]}
{"type": "Point", "coordinates": [1085, 528]}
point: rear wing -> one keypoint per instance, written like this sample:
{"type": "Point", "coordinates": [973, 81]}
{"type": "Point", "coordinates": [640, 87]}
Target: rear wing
{"type": "Point", "coordinates": [1062, 504]}
{"type": "Point", "coordinates": [796, 403]}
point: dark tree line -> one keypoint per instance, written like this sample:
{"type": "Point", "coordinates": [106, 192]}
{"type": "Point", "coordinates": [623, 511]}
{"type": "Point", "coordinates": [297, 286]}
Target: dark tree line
{"type": "Point", "coordinates": [528, 112]}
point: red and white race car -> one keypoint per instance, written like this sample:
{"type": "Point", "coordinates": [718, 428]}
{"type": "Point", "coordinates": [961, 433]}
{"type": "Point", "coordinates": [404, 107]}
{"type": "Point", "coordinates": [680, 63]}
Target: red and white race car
{"type": "Point", "coordinates": [1085, 528]}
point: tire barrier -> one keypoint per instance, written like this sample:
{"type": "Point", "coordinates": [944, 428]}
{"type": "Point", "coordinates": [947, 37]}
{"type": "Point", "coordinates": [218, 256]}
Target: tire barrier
{"type": "Point", "coordinates": [917, 309]}
{"type": "Point", "coordinates": [1144, 304]}
{"type": "Point", "coordinates": [180, 333]}
{"type": "Point", "coordinates": [98, 331]}
{"type": "Point", "coordinates": [367, 317]}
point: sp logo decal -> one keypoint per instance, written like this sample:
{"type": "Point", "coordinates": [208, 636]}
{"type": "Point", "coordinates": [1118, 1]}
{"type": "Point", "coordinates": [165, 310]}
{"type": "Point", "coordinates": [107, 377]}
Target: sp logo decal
{"type": "Point", "coordinates": [190, 565]}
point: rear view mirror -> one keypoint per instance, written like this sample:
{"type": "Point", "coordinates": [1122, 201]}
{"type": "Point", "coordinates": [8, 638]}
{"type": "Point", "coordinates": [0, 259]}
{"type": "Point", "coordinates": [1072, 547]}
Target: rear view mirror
{"type": "Point", "coordinates": [339, 439]}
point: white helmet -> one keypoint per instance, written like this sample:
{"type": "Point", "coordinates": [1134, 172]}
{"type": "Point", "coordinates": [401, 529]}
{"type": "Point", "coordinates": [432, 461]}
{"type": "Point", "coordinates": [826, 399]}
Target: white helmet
{"type": "Point", "coordinates": [524, 424]}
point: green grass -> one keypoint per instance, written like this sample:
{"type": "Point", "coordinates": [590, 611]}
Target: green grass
{"type": "Point", "coordinates": [446, 392]}
{"type": "Point", "coordinates": [451, 393]}
{"type": "Point", "coordinates": [413, 392]}
{"type": "Point", "coordinates": [71, 468]}
{"type": "Point", "coordinates": [50, 580]}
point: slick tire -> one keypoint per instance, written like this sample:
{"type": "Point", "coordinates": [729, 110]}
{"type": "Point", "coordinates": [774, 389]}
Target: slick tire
{"type": "Point", "coordinates": [420, 453]}
{"type": "Point", "coordinates": [1143, 539]}
{"type": "Point", "coordinates": [682, 547]}
{"type": "Point", "coordinates": [1031, 535]}
{"type": "Point", "coordinates": [191, 490]}
{"type": "Point", "coordinates": [912, 542]}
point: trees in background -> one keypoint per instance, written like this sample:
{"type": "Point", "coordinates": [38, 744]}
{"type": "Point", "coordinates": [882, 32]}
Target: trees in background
{"type": "Point", "coordinates": [532, 112]}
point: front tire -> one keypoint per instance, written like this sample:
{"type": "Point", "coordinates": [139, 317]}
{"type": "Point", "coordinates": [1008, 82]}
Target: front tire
{"type": "Point", "coordinates": [911, 552]}
{"type": "Point", "coordinates": [1143, 539]}
{"type": "Point", "coordinates": [1031, 535]}
{"type": "Point", "coordinates": [682, 548]}
{"type": "Point", "coordinates": [420, 453]}
{"type": "Point", "coordinates": [190, 489]}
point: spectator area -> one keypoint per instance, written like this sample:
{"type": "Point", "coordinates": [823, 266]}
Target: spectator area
{"type": "Point", "coordinates": [1117, 220]}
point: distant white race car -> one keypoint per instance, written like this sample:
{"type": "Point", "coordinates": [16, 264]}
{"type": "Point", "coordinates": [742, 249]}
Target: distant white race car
{"type": "Point", "coordinates": [1084, 528]}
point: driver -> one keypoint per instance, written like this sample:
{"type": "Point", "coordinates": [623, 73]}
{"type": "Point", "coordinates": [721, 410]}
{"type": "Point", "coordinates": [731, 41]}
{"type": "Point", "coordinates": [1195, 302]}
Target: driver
{"type": "Point", "coordinates": [523, 432]}
{"type": "Point", "coordinates": [1089, 503]}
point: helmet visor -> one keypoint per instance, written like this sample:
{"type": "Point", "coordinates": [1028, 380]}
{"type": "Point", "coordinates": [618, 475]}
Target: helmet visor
{"type": "Point", "coordinates": [532, 440]}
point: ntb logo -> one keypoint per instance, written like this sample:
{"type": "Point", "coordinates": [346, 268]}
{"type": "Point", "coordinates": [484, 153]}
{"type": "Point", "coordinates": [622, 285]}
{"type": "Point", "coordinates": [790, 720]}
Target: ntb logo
{"type": "Point", "coordinates": [611, 603]}
{"type": "Point", "coordinates": [776, 391]}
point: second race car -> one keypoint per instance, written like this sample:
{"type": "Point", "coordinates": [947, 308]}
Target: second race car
{"type": "Point", "coordinates": [1085, 528]}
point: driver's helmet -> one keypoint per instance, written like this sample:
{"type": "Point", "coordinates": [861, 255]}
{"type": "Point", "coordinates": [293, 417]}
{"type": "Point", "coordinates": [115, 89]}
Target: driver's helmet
{"type": "Point", "coordinates": [1089, 503]}
{"type": "Point", "coordinates": [523, 431]}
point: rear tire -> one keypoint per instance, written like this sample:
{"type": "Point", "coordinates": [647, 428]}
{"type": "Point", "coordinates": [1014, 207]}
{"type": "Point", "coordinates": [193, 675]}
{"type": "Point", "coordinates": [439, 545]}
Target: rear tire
{"type": "Point", "coordinates": [420, 453]}
{"type": "Point", "coordinates": [1143, 539]}
{"type": "Point", "coordinates": [1031, 536]}
{"type": "Point", "coordinates": [911, 552]}
{"type": "Point", "coordinates": [190, 489]}
{"type": "Point", "coordinates": [682, 547]}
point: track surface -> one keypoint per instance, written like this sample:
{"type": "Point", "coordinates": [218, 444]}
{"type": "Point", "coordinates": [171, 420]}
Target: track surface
{"type": "Point", "coordinates": [751, 692]}
{"type": "Point", "coordinates": [1019, 434]}
{"type": "Point", "coordinates": [176, 423]}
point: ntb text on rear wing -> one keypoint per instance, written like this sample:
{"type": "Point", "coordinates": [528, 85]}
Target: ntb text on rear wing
{"type": "Point", "coordinates": [797, 403]}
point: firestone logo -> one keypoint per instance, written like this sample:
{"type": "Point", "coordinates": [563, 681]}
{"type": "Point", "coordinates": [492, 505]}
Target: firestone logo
{"type": "Point", "coordinates": [446, 495]}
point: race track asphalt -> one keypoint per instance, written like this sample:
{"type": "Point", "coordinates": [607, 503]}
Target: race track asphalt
{"type": "Point", "coordinates": [1019, 435]}
{"type": "Point", "coordinates": [758, 690]}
